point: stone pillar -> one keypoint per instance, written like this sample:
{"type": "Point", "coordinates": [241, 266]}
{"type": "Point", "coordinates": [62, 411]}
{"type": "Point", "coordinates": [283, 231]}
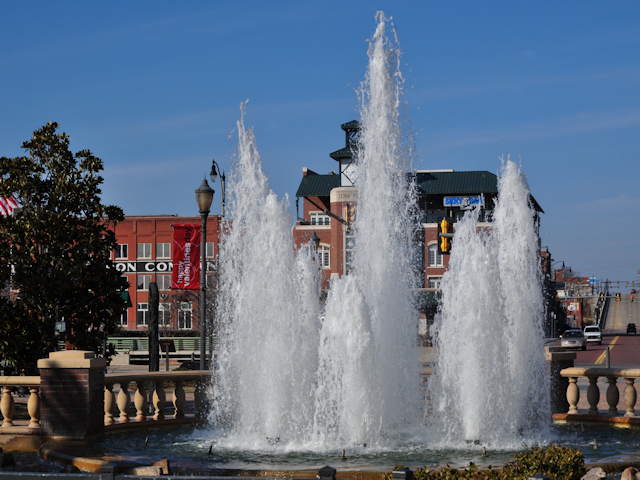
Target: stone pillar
{"type": "Point", "coordinates": [558, 359]}
{"type": "Point", "coordinates": [72, 394]}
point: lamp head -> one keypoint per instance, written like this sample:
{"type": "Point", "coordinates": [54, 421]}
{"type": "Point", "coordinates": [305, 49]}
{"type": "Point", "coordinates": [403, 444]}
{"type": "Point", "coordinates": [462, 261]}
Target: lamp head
{"type": "Point", "coordinates": [214, 171]}
{"type": "Point", "coordinates": [204, 196]}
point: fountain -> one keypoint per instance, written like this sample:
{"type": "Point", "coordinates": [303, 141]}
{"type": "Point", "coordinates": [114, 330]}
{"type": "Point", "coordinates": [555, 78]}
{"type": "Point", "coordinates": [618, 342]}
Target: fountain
{"type": "Point", "coordinates": [493, 390]}
{"type": "Point", "coordinates": [293, 391]}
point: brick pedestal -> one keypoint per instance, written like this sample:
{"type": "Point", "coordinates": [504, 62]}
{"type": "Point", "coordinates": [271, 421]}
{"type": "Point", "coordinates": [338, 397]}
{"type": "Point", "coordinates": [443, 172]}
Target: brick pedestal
{"type": "Point", "coordinates": [72, 394]}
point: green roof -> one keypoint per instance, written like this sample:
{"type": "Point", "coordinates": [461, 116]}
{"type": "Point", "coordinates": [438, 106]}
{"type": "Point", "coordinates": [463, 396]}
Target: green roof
{"type": "Point", "coordinates": [346, 152]}
{"type": "Point", "coordinates": [461, 183]}
{"type": "Point", "coordinates": [318, 185]}
{"type": "Point", "coordinates": [457, 183]}
{"type": "Point", "coordinates": [352, 125]}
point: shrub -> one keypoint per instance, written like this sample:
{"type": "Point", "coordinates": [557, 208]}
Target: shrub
{"type": "Point", "coordinates": [554, 461]}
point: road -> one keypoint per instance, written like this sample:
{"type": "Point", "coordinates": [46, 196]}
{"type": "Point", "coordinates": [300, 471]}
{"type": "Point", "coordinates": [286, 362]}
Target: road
{"type": "Point", "coordinates": [624, 350]}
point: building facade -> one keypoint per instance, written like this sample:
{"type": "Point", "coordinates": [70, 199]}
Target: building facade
{"type": "Point", "coordinates": [145, 254]}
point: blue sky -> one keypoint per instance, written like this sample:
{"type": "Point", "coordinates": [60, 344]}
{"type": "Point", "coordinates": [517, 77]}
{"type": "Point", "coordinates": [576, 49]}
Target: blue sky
{"type": "Point", "coordinates": [153, 88]}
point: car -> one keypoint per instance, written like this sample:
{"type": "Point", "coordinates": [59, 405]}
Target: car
{"type": "Point", "coordinates": [574, 338]}
{"type": "Point", "coordinates": [593, 334]}
{"type": "Point", "coordinates": [631, 328]}
{"type": "Point", "coordinates": [633, 290]}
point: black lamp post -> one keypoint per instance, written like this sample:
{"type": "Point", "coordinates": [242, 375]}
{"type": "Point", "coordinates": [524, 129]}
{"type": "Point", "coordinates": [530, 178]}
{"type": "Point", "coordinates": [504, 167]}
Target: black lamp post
{"type": "Point", "coordinates": [204, 197]}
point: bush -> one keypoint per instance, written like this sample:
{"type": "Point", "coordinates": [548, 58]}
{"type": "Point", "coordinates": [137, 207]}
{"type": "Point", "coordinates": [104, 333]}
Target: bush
{"type": "Point", "coordinates": [554, 461]}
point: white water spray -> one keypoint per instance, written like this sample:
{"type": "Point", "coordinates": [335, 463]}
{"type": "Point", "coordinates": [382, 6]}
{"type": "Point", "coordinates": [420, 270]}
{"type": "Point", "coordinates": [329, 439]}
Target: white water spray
{"type": "Point", "coordinates": [286, 381]}
{"type": "Point", "coordinates": [490, 382]}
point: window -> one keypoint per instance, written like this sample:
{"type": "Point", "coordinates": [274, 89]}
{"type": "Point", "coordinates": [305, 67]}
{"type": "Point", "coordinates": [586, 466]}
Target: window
{"type": "Point", "coordinates": [122, 250]}
{"type": "Point", "coordinates": [434, 282]}
{"type": "Point", "coordinates": [143, 315]}
{"type": "Point", "coordinates": [323, 256]}
{"type": "Point", "coordinates": [184, 315]}
{"type": "Point", "coordinates": [164, 314]}
{"type": "Point", "coordinates": [164, 282]}
{"type": "Point", "coordinates": [144, 250]}
{"type": "Point", "coordinates": [318, 218]}
{"type": "Point", "coordinates": [123, 321]}
{"type": "Point", "coordinates": [163, 250]}
{"type": "Point", "coordinates": [210, 250]}
{"type": "Point", "coordinates": [435, 258]}
{"type": "Point", "coordinates": [143, 282]}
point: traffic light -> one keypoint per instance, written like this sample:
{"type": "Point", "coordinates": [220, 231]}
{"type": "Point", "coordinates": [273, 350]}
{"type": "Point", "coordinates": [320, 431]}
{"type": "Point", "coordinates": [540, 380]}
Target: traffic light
{"type": "Point", "coordinates": [617, 297]}
{"type": "Point", "coordinates": [350, 215]}
{"type": "Point", "coordinates": [601, 296]}
{"type": "Point", "coordinates": [445, 235]}
{"type": "Point", "coordinates": [632, 297]}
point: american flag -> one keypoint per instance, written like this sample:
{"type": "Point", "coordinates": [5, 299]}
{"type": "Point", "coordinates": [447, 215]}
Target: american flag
{"type": "Point", "coordinates": [7, 204]}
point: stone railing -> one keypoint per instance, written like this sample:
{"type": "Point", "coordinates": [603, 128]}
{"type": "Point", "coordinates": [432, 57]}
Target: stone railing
{"type": "Point", "coordinates": [8, 405]}
{"type": "Point", "coordinates": [158, 397]}
{"type": "Point", "coordinates": [593, 392]}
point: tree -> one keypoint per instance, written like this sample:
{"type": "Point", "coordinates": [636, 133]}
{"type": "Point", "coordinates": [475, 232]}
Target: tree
{"type": "Point", "coordinates": [55, 251]}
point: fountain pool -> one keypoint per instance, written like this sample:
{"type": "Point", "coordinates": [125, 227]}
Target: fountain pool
{"type": "Point", "coordinates": [187, 447]}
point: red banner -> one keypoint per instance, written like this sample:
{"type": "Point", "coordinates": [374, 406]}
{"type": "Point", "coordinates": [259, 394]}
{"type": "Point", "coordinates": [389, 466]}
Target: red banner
{"type": "Point", "coordinates": [186, 257]}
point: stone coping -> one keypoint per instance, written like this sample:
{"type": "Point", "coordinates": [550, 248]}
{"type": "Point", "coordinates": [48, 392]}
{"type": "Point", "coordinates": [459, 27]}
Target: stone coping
{"type": "Point", "coordinates": [17, 381]}
{"type": "Point", "coordinates": [619, 421]}
{"type": "Point", "coordinates": [77, 359]}
{"type": "Point", "coordinates": [601, 372]}
{"type": "Point", "coordinates": [152, 376]}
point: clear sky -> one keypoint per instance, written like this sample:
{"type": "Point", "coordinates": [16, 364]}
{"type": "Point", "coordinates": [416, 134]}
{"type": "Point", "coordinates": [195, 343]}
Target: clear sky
{"type": "Point", "coordinates": [153, 88]}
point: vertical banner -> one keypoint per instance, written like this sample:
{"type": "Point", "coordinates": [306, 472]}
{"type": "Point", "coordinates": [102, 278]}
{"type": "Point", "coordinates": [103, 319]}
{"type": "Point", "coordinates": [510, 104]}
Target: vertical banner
{"type": "Point", "coordinates": [186, 257]}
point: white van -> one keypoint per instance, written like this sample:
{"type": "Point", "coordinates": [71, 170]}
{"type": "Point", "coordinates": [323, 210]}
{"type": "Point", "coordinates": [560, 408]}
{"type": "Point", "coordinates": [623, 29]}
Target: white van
{"type": "Point", "coordinates": [592, 334]}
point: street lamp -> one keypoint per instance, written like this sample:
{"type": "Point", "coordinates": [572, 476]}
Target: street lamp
{"type": "Point", "coordinates": [204, 197]}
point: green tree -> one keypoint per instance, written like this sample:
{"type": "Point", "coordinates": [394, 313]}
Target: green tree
{"type": "Point", "coordinates": [55, 251]}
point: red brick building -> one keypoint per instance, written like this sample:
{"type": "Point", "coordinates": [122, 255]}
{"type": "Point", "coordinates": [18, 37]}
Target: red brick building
{"type": "Point", "coordinates": [144, 255]}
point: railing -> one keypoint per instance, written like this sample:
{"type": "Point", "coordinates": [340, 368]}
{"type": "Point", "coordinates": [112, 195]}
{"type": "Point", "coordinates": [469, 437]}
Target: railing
{"type": "Point", "coordinates": [158, 397]}
{"type": "Point", "coordinates": [123, 402]}
{"type": "Point", "coordinates": [593, 392]}
{"type": "Point", "coordinates": [8, 405]}
{"type": "Point", "coordinates": [127, 344]}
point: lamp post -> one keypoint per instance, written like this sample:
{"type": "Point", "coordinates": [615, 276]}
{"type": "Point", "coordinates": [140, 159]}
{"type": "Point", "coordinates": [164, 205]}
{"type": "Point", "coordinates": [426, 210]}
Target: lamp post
{"type": "Point", "coordinates": [204, 197]}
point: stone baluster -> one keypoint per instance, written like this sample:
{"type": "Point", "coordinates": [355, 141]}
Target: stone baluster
{"type": "Point", "coordinates": [7, 406]}
{"type": "Point", "coordinates": [630, 397]}
{"type": "Point", "coordinates": [159, 400]}
{"type": "Point", "coordinates": [179, 400]}
{"type": "Point", "coordinates": [593, 395]}
{"type": "Point", "coordinates": [613, 396]}
{"type": "Point", "coordinates": [33, 407]}
{"type": "Point", "coordinates": [140, 401]}
{"type": "Point", "coordinates": [109, 404]}
{"type": "Point", "coordinates": [573, 395]}
{"type": "Point", "coordinates": [124, 401]}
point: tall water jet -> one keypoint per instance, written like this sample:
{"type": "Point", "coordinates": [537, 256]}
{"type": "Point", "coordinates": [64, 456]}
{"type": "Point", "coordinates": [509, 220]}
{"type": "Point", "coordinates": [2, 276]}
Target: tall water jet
{"type": "Point", "coordinates": [268, 314]}
{"type": "Point", "coordinates": [490, 383]}
{"type": "Point", "coordinates": [368, 378]}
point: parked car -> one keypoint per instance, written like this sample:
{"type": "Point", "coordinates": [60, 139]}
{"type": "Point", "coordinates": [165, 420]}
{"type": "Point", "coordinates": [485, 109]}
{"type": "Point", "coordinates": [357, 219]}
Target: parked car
{"type": "Point", "coordinates": [593, 334]}
{"type": "Point", "coordinates": [574, 338]}
{"type": "Point", "coordinates": [631, 328]}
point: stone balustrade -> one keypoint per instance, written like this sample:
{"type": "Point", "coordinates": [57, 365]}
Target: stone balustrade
{"type": "Point", "coordinates": [593, 391]}
{"type": "Point", "coordinates": [7, 403]}
{"type": "Point", "coordinates": [157, 398]}
{"type": "Point", "coordinates": [123, 401]}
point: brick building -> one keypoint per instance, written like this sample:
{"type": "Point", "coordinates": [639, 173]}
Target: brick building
{"type": "Point", "coordinates": [326, 200]}
{"type": "Point", "coordinates": [145, 254]}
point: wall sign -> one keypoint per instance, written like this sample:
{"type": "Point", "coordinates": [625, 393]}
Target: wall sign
{"type": "Point", "coordinates": [462, 202]}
